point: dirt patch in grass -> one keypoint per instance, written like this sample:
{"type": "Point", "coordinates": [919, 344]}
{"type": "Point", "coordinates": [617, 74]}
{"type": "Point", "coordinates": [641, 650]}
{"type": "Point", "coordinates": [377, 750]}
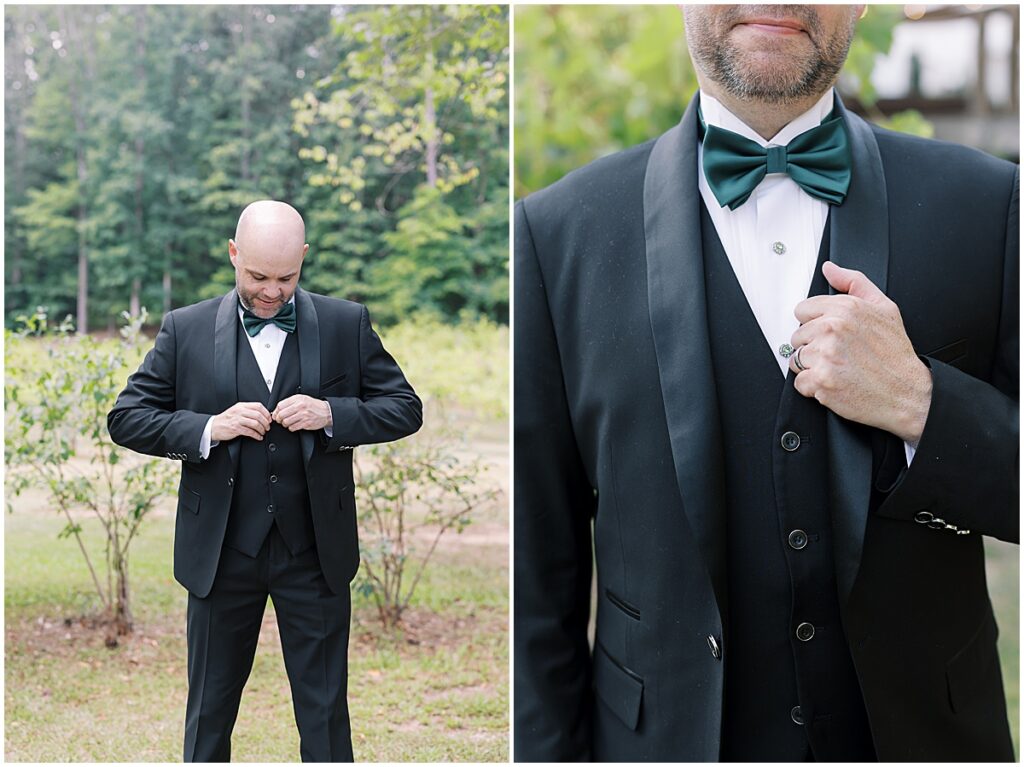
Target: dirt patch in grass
{"type": "Point", "coordinates": [423, 629]}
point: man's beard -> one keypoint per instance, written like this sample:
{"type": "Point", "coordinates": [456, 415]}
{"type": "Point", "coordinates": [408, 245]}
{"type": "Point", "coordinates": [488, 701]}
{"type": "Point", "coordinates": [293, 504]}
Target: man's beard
{"type": "Point", "coordinates": [792, 79]}
{"type": "Point", "coordinates": [248, 301]}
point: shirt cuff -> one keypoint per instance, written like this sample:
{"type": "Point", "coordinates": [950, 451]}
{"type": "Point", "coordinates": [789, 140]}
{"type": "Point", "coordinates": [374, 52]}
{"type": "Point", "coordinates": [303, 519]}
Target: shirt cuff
{"type": "Point", "coordinates": [206, 441]}
{"type": "Point", "coordinates": [910, 450]}
{"type": "Point", "coordinates": [329, 430]}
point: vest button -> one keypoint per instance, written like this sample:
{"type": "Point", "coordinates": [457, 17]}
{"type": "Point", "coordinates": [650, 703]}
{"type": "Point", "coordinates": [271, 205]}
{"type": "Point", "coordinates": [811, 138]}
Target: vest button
{"type": "Point", "coordinates": [805, 632]}
{"type": "Point", "coordinates": [272, 447]}
{"type": "Point", "coordinates": [790, 441]}
{"type": "Point", "coordinates": [273, 478]}
{"type": "Point", "coordinates": [716, 651]}
{"type": "Point", "coordinates": [797, 539]}
{"type": "Point", "coordinates": [270, 508]}
{"type": "Point", "coordinates": [797, 715]}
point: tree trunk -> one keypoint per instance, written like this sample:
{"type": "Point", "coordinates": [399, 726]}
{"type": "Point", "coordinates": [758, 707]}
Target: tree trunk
{"type": "Point", "coordinates": [68, 21]}
{"type": "Point", "coordinates": [167, 282]}
{"type": "Point", "coordinates": [133, 302]}
{"type": "Point", "coordinates": [140, 159]}
{"type": "Point", "coordinates": [246, 98]}
{"type": "Point", "coordinates": [432, 143]}
{"type": "Point", "coordinates": [121, 622]}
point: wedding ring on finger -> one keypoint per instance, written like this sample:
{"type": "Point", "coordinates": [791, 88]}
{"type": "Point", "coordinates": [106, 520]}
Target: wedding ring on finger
{"type": "Point", "coordinates": [796, 360]}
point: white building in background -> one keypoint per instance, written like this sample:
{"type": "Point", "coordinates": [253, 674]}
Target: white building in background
{"type": "Point", "coordinates": [959, 66]}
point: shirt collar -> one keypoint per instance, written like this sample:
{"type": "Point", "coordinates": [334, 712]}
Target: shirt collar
{"type": "Point", "coordinates": [716, 114]}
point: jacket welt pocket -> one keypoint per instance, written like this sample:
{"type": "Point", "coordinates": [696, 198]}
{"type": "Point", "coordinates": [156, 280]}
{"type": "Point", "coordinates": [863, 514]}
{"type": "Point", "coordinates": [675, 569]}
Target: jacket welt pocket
{"type": "Point", "coordinates": [622, 604]}
{"type": "Point", "coordinates": [973, 672]}
{"type": "Point", "coordinates": [619, 688]}
{"type": "Point", "coordinates": [324, 385]}
{"type": "Point", "coordinates": [188, 499]}
{"type": "Point", "coordinates": [952, 354]}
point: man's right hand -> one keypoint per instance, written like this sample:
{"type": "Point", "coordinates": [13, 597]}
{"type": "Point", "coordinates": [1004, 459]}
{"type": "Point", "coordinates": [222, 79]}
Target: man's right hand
{"type": "Point", "coordinates": [243, 419]}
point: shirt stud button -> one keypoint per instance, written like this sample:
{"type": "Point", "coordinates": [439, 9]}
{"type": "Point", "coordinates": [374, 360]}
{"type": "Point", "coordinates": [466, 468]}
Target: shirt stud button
{"type": "Point", "coordinates": [778, 247]}
{"type": "Point", "coordinates": [785, 350]}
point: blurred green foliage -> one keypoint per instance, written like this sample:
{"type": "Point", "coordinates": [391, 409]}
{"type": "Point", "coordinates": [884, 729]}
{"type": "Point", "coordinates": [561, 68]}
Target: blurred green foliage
{"type": "Point", "coordinates": [135, 135]}
{"type": "Point", "coordinates": [593, 79]}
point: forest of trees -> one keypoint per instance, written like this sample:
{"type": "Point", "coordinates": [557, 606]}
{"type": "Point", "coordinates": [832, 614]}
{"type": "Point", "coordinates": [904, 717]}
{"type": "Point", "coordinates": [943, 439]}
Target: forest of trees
{"type": "Point", "coordinates": [135, 135]}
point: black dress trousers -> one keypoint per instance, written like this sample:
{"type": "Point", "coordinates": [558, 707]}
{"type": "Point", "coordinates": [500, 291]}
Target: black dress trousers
{"type": "Point", "coordinates": [223, 629]}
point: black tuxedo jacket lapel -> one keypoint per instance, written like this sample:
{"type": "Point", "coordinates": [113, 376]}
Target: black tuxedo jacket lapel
{"type": "Point", "coordinates": [225, 361]}
{"type": "Point", "coordinates": [678, 309]}
{"type": "Point", "coordinates": [859, 240]}
{"type": "Point", "coordinates": [308, 329]}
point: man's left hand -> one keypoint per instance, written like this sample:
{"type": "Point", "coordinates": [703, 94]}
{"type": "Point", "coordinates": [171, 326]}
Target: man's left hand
{"type": "Point", "coordinates": [859, 362]}
{"type": "Point", "coordinates": [301, 412]}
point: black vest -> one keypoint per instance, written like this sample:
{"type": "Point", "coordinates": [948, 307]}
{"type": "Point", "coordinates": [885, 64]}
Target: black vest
{"type": "Point", "coordinates": [270, 486]}
{"type": "Point", "coordinates": [785, 652]}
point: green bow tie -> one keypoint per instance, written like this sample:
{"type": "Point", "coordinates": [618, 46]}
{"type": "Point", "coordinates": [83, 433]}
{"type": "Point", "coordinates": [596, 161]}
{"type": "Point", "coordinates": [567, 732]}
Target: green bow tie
{"type": "Point", "coordinates": [818, 160]}
{"type": "Point", "coordinates": [284, 319]}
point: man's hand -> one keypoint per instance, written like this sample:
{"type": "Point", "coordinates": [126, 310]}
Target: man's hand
{"type": "Point", "coordinates": [859, 362]}
{"type": "Point", "coordinates": [243, 419]}
{"type": "Point", "coordinates": [300, 412]}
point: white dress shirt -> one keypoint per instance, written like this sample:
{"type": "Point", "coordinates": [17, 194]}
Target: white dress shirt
{"type": "Point", "coordinates": [772, 240]}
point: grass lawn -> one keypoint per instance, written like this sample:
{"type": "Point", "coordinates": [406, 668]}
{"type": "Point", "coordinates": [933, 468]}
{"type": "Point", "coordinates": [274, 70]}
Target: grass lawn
{"type": "Point", "coordinates": [1003, 569]}
{"type": "Point", "coordinates": [438, 691]}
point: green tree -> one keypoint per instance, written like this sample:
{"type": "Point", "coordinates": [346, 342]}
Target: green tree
{"type": "Point", "coordinates": [136, 134]}
{"type": "Point", "coordinates": [412, 127]}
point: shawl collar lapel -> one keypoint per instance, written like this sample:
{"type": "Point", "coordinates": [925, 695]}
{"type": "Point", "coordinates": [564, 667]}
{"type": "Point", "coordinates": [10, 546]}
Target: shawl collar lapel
{"type": "Point", "coordinates": [678, 310]}
{"type": "Point", "coordinates": [308, 330]}
{"type": "Point", "coordinates": [859, 240]}
{"type": "Point", "coordinates": [225, 360]}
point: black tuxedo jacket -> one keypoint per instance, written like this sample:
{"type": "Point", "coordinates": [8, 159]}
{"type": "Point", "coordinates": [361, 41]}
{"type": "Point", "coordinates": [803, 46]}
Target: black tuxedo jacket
{"type": "Point", "coordinates": [618, 450]}
{"type": "Point", "coordinates": [190, 374]}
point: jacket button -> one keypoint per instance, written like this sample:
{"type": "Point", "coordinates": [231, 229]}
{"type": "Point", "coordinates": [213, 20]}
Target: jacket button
{"type": "Point", "coordinates": [716, 651]}
{"type": "Point", "coordinates": [790, 441]}
{"type": "Point", "coordinates": [273, 478]}
{"type": "Point", "coordinates": [270, 508]}
{"type": "Point", "coordinates": [805, 632]}
{"type": "Point", "coordinates": [272, 447]}
{"type": "Point", "coordinates": [231, 481]}
{"type": "Point", "coordinates": [924, 517]}
{"type": "Point", "coordinates": [797, 715]}
{"type": "Point", "coordinates": [797, 539]}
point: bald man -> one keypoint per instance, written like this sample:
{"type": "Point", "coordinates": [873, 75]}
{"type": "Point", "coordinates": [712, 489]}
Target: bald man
{"type": "Point", "coordinates": [262, 394]}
